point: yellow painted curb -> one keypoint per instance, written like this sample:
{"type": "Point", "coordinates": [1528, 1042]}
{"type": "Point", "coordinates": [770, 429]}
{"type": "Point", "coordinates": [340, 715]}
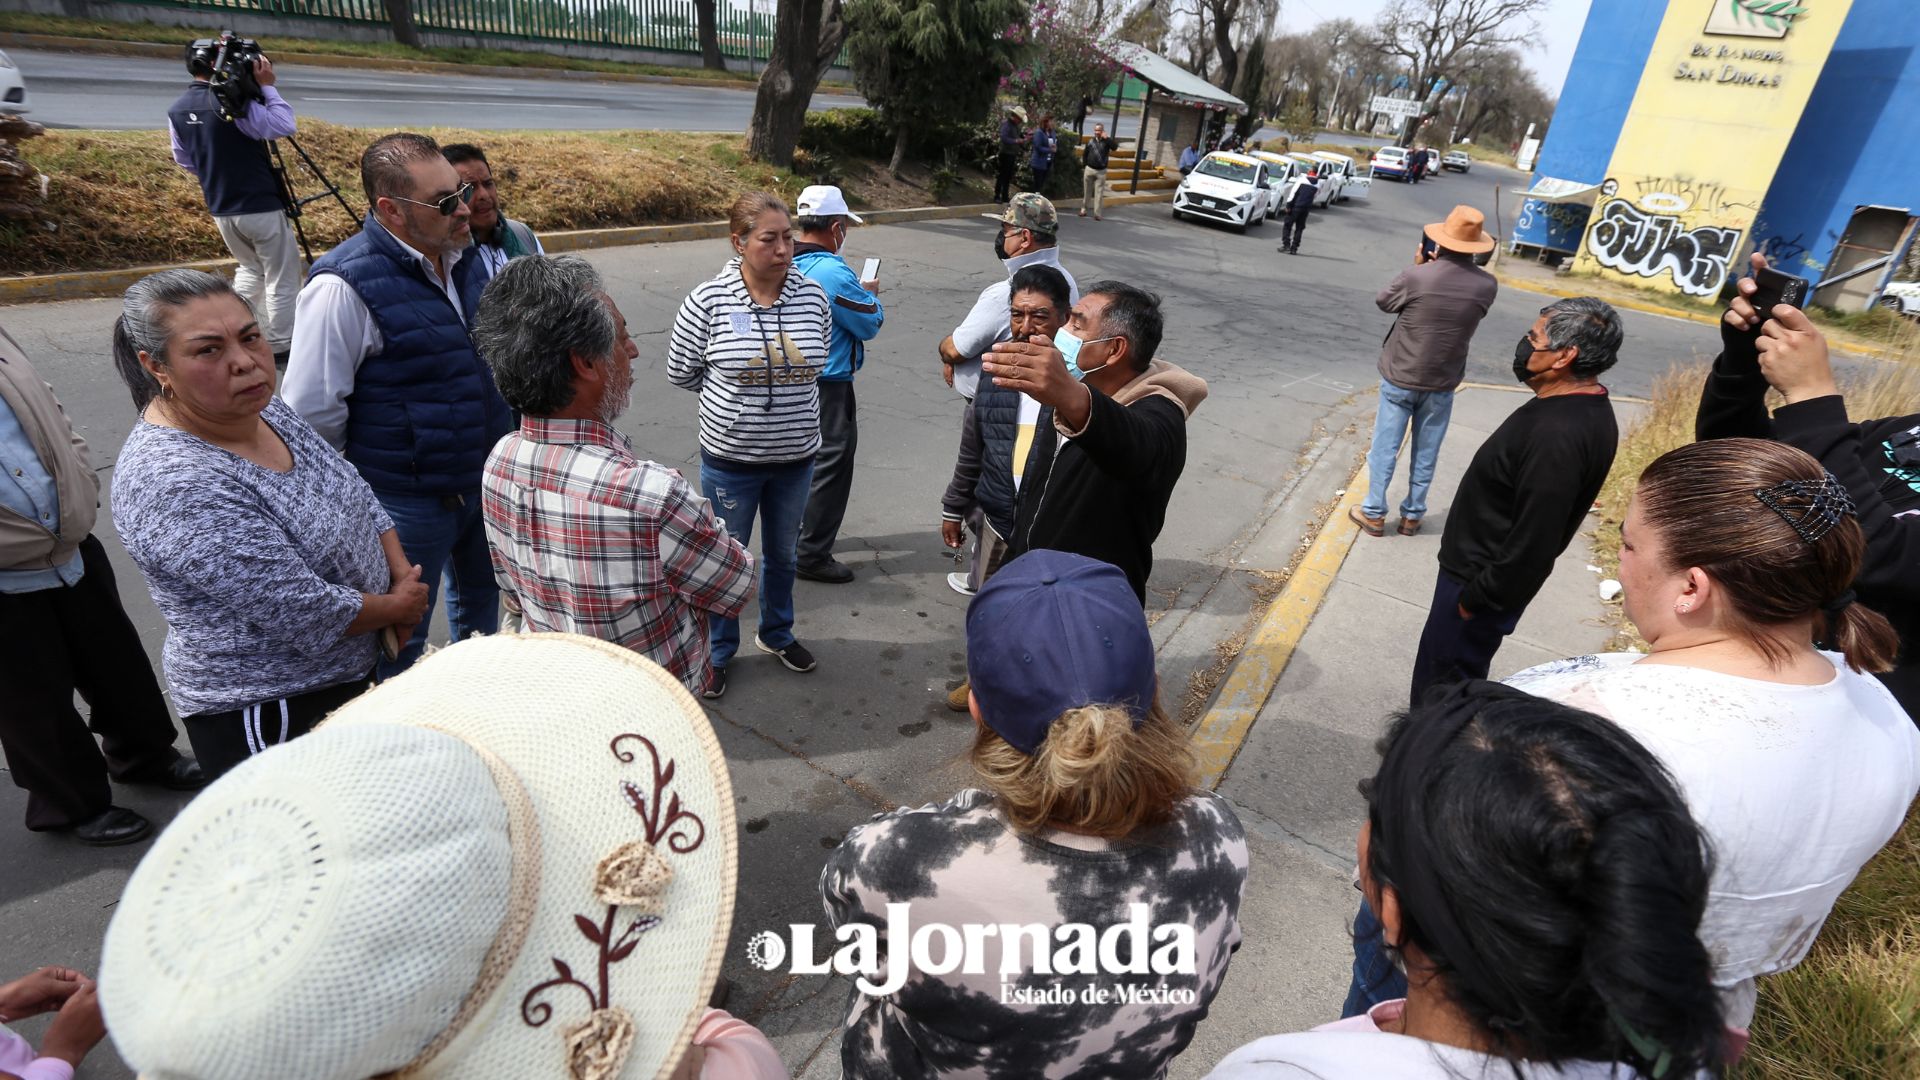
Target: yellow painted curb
{"type": "Point", "coordinates": [86, 284]}
{"type": "Point", "coordinates": [1218, 735]}
{"type": "Point", "coordinates": [1878, 352]}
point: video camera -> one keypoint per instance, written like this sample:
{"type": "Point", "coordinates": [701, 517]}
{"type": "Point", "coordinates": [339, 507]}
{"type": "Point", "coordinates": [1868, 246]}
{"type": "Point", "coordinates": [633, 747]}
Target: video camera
{"type": "Point", "coordinates": [227, 62]}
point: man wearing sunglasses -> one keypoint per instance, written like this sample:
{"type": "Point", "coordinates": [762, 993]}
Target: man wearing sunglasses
{"type": "Point", "coordinates": [385, 369]}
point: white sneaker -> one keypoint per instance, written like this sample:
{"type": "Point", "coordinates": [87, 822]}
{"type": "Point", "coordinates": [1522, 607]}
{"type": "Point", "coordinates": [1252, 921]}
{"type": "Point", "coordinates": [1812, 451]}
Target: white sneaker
{"type": "Point", "coordinates": [959, 583]}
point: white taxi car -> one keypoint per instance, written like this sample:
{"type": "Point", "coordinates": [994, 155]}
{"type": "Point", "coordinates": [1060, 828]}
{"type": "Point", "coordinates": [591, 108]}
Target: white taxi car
{"type": "Point", "coordinates": [1902, 297]}
{"type": "Point", "coordinates": [13, 88]}
{"type": "Point", "coordinates": [1230, 188]}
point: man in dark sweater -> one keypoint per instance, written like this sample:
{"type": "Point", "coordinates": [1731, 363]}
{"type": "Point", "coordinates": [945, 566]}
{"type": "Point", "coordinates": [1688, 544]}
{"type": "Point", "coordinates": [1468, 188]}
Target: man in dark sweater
{"type": "Point", "coordinates": [1299, 202]}
{"type": "Point", "coordinates": [1121, 420]}
{"type": "Point", "coordinates": [1877, 460]}
{"type": "Point", "coordinates": [1525, 494]}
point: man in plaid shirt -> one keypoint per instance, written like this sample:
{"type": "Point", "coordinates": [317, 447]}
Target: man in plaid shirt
{"type": "Point", "coordinates": [586, 537]}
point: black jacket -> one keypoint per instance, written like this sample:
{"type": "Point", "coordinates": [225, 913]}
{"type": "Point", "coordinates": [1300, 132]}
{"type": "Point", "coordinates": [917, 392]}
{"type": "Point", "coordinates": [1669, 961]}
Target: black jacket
{"type": "Point", "coordinates": [1877, 460]}
{"type": "Point", "coordinates": [983, 475]}
{"type": "Point", "coordinates": [1104, 492]}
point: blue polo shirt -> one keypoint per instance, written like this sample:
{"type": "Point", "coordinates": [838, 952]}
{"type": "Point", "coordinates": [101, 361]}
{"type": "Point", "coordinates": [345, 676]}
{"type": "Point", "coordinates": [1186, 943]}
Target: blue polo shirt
{"type": "Point", "coordinates": [28, 489]}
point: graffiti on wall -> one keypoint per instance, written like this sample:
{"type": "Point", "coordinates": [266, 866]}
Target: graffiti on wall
{"type": "Point", "coordinates": [1554, 226]}
{"type": "Point", "coordinates": [1649, 243]}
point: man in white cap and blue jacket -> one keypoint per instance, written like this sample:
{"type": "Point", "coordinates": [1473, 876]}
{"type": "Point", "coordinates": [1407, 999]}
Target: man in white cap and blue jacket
{"type": "Point", "coordinates": [821, 220]}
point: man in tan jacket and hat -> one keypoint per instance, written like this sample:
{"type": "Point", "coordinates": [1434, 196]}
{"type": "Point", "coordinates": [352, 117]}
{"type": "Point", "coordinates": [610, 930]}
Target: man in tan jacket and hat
{"type": "Point", "coordinates": [62, 629]}
{"type": "Point", "coordinates": [1439, 301]}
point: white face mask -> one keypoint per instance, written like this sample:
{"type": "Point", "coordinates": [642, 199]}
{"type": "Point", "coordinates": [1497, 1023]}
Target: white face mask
{"type": "Point", "coordinates": [1070, 346]}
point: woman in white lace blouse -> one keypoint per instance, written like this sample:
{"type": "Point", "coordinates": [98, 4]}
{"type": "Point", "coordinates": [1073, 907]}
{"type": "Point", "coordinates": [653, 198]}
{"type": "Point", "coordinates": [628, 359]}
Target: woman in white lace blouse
{"type": "Point", "coordinates": [1737, 556]}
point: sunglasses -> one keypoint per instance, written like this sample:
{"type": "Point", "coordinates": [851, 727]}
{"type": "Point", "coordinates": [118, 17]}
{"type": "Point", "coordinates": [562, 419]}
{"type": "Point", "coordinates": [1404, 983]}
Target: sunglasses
{"type": "Point", "coordinates": [447, 203]}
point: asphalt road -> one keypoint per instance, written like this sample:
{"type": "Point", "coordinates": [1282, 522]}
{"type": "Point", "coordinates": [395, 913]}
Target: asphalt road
{"type": "Point", "coordinates": [1287, 344]}
{"type": "Point", "coordinates": [131, 93]}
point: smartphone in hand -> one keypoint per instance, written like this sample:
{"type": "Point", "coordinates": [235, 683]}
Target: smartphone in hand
{"type": "Point", "coordinates": [1777, 287]}
{"type": "Point", "coordinates": [871, 271]}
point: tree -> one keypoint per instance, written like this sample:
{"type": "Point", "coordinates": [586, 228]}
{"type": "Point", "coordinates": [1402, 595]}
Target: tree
{"type": "Point", "coordinates": [709, 32]}
{"type": "Point", "coordinates": [400, 16]}
{"type": "Point", "coordinates": [1430, 37]}
{"type": "Point", "coordinates": [929, 63]}
{"type": "Point", "coordinates": [1060, 64]}
{"type": "Point", "coordinates": [1253, 77]}
{"type": "Point", "coordinates": [806, 37]}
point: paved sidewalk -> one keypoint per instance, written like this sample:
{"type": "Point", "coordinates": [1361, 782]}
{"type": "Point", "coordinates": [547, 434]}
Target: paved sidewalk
{"type": "Point", "coordinates": [1293, 780]}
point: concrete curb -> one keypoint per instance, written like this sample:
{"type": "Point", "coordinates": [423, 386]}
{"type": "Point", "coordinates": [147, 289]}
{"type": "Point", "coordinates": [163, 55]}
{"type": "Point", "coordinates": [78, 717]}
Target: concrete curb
{"type": "Point", "coordinates": [102, 46]}
{"type": "Point", "coordinates": [1878, 352]}
{"type": "Point", "coordinates": [86, 284]}
{"type": "Point", "coordinates": [1256, 671]}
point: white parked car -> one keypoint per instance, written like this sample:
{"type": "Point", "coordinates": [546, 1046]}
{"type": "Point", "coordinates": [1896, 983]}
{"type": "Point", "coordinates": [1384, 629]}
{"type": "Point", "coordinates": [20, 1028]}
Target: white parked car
{"type": "Point", "coordinates": [1457, 160]}
{"type": "Point", "coordinates": [1903, 297]}
{"type": "Point", "coordinates": [1283, 175]}
{"type": "Point", "coordinates": [1225, 187]}
{"type": "Point", "coordinates": [1339, 177]}
{"type": "Point", "coordinates": [13, 88]}
{"type": "Point", "coordinates": [1390, 161]}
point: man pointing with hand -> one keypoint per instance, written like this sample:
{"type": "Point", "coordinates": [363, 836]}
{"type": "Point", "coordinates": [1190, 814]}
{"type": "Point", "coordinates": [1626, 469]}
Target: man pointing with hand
{"type": "Point", "coordinates": [1120, 418]}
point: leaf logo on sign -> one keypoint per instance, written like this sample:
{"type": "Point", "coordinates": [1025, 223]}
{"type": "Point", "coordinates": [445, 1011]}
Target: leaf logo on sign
{"type": "Point", "coordinates": [1753, 18]}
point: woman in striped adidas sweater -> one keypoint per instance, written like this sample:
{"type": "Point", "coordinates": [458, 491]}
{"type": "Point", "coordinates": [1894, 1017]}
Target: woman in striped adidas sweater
{"type": "Point", "coordinates": [753, 341]}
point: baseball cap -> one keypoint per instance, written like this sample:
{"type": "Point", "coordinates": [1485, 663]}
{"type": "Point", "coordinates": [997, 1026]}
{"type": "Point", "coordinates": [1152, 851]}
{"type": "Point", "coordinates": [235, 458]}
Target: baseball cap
{"type": "Point", "coordinates": [1029, 210]}
{"type": "Point", "coordinates": [823, 200]}
{"type": "Point", "coordinates": [518, 856]}
{"type": "Point", "coordinates": [1051, 632]}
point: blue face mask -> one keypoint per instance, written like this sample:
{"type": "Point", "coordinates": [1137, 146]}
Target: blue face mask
{"type": "Point", "coordinates": [1070, 347]}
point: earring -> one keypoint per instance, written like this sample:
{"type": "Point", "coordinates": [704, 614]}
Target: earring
{"type": "Point", "coordinates": [1685, 608]}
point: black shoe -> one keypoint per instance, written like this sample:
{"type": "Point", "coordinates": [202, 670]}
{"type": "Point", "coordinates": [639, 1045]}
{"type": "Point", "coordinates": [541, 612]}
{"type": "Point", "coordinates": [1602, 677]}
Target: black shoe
{"type": "Point", "coordinates": [831, 572]}
{"type": "Point", "coordinates": [116, 825]}
{"type": "Point", "coordinates": [714, 684]}
{"type": "Point", "coordinates": [181, 774]}
{"type": "Point", "coordinates": [795, 656]}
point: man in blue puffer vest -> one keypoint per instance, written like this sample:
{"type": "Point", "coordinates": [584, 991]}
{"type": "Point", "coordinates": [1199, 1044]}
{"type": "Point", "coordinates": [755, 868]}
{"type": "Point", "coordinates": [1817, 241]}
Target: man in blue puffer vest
{"type": "Point", "coordinates": [821, 218]}
{"type": "Point", "coordinates": [384, 368]}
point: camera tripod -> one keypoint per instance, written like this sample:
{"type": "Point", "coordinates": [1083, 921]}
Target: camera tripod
{"type": "Point", "coordinates": [295, 203]}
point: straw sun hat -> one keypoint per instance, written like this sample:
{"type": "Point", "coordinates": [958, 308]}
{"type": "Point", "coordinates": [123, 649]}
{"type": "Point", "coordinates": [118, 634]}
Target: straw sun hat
{"type": "Point", "coordinates": [1463, 231]}
{"type": "Point", "coordinates": [517, 860]}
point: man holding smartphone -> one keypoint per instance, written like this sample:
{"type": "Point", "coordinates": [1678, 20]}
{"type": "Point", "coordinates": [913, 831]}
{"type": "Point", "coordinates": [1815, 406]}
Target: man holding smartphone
{"type": "Point", "coordinates": [1768, 342]}
{"type": "Point", "coordinates": [821, 220]}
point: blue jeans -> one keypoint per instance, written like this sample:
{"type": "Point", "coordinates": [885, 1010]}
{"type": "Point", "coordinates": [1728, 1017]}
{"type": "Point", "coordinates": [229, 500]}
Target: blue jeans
{"type": "Point", "coordinates": [1375, 979]}
{"type": "Point", "coordinates": [1428, 411]}
{"type": "Point", "coordinates": [446, 537]}
{"type": "Point", "coordinates": [779, 492]}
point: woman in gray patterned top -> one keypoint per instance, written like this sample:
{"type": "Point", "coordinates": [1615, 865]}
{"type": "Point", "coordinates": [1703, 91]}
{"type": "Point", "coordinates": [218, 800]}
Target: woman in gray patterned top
{"type": "Point", "coordinates": [272, 562]}
{"type": "Point", "coordinates": [1075, 916]}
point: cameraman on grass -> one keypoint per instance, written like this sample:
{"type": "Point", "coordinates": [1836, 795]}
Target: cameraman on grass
{"type": "Point", "coordinates": [243, 192]}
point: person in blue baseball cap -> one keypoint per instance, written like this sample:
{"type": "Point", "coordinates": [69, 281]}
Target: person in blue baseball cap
{"type": "Point", "coordinates": [1085, 827]}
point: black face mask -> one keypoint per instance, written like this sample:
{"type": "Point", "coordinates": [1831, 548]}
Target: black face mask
{"type": "Point", "coordinates": [1522, 356]}
{"type": "Point", "coordinates": [1000, 245]}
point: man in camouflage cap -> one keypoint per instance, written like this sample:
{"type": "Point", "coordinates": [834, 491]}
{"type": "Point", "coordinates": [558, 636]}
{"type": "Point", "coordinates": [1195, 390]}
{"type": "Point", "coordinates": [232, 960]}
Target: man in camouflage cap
{"type": "Point", "coordinates": [1027, 235]}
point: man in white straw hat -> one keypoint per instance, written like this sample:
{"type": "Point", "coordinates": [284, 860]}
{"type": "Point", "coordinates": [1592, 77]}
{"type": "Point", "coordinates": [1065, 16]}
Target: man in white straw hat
{"type": "Point", "coordinates": [1439, 302]}
{"type": "Point", "coordinates": [515, 860]}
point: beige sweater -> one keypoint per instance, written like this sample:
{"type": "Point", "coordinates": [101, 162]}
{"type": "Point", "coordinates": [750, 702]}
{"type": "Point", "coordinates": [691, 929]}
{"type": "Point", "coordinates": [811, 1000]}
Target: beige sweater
{"type": "Point", "coordinates": [26, 544]}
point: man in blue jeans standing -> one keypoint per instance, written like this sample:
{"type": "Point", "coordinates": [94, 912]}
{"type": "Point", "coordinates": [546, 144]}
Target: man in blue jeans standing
{"type": "Point", "coordinates": [1439, 301]}
{"type": "Point", "coordinates": [384, 368]}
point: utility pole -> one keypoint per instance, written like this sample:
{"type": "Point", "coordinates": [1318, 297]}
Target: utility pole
{"type": "Point", "coordinates": [1333, 104]}
{"type": "Point", "coordinates": [1457, 114]}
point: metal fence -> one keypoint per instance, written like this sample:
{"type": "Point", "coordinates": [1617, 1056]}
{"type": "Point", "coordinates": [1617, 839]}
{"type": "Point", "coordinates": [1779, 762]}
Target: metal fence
{"type": "Point", "coordinates": [645, 24]}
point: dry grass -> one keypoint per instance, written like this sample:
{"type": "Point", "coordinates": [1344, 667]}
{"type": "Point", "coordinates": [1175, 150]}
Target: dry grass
{"type": "Point", "coordinates": [1851, 1010]}
{"type": "Point", "coordinates": [116, 199]}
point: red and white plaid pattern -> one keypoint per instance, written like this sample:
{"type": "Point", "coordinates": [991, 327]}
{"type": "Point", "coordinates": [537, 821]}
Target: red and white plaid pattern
{"type": "Point", "coordinates": [589, 539]}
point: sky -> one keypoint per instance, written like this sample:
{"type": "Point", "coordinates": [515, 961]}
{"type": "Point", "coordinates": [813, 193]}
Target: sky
{"type": "Point", "coordinates": [1550, 56]}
